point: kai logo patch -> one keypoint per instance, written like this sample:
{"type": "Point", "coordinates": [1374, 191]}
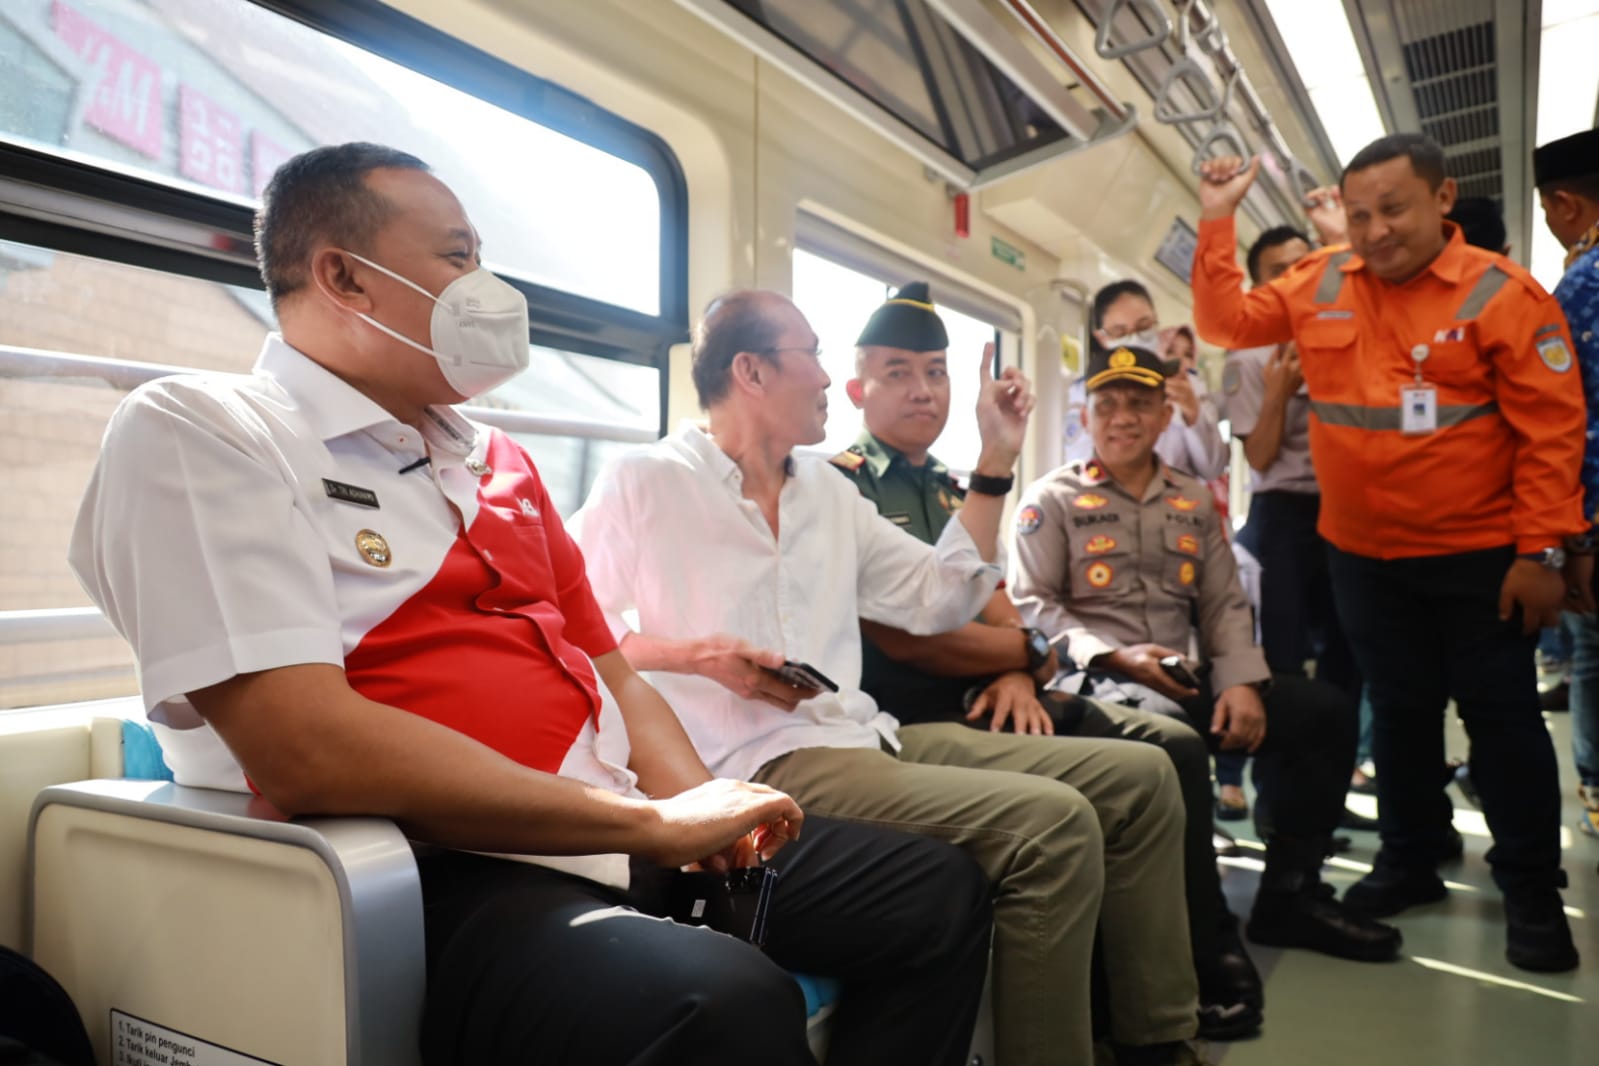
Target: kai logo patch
{"type": "Point", "coordinates": [1089, 501]}
{"type": "Point", "coordinates": [1182, 503]}
{"type": "Point", "coordinates": [1028, 519]}
{"type": "Point", "coordinates": [1187, 542]}
{"type": "Point", "coordinates": [1448, 336]}
{"type": "Point", "coordinates": [1186, 572]}
{"type": "Point", "coordinates": [1100, 544]}
{"type": "Point", "coordinates": [1554, 353]}
{"type": "Point", "coordinates": [1099, 575]}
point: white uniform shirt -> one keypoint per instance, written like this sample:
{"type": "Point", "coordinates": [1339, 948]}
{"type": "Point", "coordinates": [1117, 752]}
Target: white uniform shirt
{"type": "Point", "coordinates": [1197, 449]}
{"type": "Point", "coordinates": [1243, 392]}
{"type": "Point", "coordinates": [238, 523]}
{"type": "Point", "coordinates": [667, 532]}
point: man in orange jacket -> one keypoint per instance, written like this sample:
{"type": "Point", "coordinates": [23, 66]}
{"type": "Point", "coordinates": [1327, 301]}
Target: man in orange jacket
{"type": "Point", "coordinates": [1447, 433]}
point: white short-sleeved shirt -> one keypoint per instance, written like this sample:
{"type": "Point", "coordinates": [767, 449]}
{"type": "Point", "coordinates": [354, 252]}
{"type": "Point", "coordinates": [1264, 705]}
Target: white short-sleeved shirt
{"type": "Point", "coordinates": [1197, 450]}
{"type": "Point", "coordinates": [1243, 393]}
{"type": "Point", "coordinates": [667, 532]}
{"type": "Point", "coordinates": [238, 523]}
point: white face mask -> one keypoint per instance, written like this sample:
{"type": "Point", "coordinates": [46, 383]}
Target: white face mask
{"type": "Point", "coordinates": [479, 329]}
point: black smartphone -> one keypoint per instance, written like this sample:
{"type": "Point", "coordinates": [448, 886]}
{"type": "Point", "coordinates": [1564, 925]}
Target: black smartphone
{"type": "Point", "coordinates": [736, 904]}
{"type": "Point", "coordinates": [804, 675]}
{"type": "Point", "coordinates": [1178, 671]}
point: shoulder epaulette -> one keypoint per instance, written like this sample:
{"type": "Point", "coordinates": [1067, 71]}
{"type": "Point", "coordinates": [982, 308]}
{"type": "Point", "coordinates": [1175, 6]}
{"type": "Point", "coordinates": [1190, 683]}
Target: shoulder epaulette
{"type": "Point", "coordinates": [848, 460]}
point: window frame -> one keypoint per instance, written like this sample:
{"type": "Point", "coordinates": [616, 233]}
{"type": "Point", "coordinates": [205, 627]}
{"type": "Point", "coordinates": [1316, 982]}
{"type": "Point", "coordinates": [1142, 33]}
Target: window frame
{"type": "Point", "coordinates": [58, 201]}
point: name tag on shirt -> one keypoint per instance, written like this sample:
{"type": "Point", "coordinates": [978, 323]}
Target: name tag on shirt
{"type": "Point", "coordinates": [1418, 410]}
{"type": "Point", "coordinates": [355, 494]}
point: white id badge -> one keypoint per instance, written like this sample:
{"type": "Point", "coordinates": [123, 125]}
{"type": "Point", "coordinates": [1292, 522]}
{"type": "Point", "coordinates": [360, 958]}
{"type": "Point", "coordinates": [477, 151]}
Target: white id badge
{"type": "Point", "coordinates": [1418, 410]}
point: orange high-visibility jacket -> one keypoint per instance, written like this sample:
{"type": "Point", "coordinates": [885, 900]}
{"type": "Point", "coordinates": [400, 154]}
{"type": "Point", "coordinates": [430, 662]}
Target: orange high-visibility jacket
{"type": "Point", "coordinates": [1501, 467]}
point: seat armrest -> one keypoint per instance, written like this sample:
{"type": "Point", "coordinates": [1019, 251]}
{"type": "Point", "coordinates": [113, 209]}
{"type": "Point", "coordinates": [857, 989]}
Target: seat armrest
{"type": "Point", "coordinates": [369, 861]}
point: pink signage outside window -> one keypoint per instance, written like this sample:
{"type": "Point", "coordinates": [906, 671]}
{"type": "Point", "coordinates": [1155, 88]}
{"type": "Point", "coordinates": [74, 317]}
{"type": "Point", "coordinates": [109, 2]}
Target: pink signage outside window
{"type": "Point", "coordinates": [266, 156]}
{"type": "Point", "coordinates": [210, 142]}
{"type": "Point", "coordinates": [126, 100]}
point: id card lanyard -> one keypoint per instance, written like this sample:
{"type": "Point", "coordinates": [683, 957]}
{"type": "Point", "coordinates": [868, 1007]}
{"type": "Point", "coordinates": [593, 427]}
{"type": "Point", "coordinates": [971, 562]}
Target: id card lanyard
{"type": "Point", "coordinates": [1418, 402]}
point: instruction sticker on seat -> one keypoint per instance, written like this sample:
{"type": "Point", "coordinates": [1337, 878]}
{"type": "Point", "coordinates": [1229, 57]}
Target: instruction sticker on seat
{"type": "Point", "coordinates": [137, 1042]}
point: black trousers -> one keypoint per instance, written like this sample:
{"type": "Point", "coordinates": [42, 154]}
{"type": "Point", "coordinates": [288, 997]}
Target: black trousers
{"type": "Point", "coordinates": [1426, 630]}
{"type": "Point", "coordinates": [528, 965]}
{"type": "Point", "coordinates": [1303, 764]}
{"type": "Point", "coordinates": [1298, 619]}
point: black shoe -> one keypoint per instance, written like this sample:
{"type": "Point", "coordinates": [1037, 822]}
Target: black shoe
{"type": "Point", "coordinates": [1230, 976]}
{"type": "Point", "coordinates": [1228, 1021]}
{"type": "Point", "coordinates": [1358, 822]}
{"type": "Point", "coordinates": [1387, 890]}
{"type": "Point", "coordinates": [1307, 919]}
{"type": "Point", "coordinates": [1537, 935]}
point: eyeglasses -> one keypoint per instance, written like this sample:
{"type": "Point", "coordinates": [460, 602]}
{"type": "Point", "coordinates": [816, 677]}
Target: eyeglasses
{"type": "Point", "coordinates": [815, 353]}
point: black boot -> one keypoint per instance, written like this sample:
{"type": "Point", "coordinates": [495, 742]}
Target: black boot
{"type": "Point", "coordinates": [1291, 911]}
{"type": "Point", "coordinates": [1392, 887]}
{"type": "Point", "coordinates": [1537, 935]}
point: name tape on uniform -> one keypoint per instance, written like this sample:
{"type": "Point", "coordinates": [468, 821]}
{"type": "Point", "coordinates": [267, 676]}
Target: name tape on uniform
{"type": "Point", "coordinates": [355, 494]}
{"type": "Point", "coordinates": [137, 1042]}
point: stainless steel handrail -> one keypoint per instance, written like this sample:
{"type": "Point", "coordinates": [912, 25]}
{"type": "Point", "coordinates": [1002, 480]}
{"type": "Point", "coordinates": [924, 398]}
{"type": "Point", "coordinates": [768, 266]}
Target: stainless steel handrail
{"type": "Point", "coordinates": [18, 362]}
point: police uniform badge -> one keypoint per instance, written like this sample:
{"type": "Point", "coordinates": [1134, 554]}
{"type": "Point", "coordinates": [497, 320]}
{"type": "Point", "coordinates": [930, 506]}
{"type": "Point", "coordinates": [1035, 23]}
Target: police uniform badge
{"type": "Point", "coordinates": [1089, 501]}
{"type": "Point", "coordinates": [1100, 544]}
{"type": "Point", "coordinates": [1186, 573]}
{"type": "Point", "coordinates": [1554, 353]}
{"type": "Point", "coordinates": [1028, 519]}
{"type": "Point", "coordinates": [1182, 503]}
{"type": "Point", "coordinates": [373, 548]}
{"type": "Point", "coordinates": [1099, 575]}
{"type": "Point", "coordinates": [849, 461]}
{"type": "Point", "coordinates": [1188, 543]}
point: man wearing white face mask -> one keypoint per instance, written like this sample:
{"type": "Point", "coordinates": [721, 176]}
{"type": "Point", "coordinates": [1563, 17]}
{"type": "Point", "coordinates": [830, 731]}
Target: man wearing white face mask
{"type": "Point", "coordinates": [337, 585]}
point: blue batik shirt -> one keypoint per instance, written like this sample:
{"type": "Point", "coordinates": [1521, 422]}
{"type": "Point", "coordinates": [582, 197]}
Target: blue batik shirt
{"type": "Point", "coordinates": [1578, 295]}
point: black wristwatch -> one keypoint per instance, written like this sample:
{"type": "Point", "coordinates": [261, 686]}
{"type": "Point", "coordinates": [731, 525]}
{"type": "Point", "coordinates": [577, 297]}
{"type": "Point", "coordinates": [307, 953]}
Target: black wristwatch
{"type": "Point", "coordinates": [1037, 648]}
{"type": "Point", "coordinates": [984, 485]}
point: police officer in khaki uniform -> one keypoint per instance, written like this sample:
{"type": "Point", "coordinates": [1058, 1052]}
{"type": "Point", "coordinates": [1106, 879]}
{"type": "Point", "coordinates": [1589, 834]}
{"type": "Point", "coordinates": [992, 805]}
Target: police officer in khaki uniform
{"type": "Point", "coordinates": [1117, 558]}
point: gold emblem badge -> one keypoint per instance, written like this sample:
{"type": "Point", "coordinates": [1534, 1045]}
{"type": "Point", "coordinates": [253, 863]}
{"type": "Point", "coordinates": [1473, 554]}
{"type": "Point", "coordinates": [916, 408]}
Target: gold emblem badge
{"type": "Point", "coordinates": [1182, 503]}
{"type": "Point", "coordinates": [1099, 575]}
{"type": "Point", "coordinates": [1089, 502]}
{"type": "Point", "coordinates": [1121, 359]}
{"type": "Point", "coordinates": [373, 548]}
{"type": "Point", "coordinates": [1185, 573]}
{"type": "Point", "coordinates": [1100, 545]}
{"type": "Point", "coordinates": [1189, 543]}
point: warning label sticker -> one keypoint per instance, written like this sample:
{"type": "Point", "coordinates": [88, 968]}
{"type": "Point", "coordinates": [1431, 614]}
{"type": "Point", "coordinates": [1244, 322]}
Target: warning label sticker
{"type": "Point", "coordinates": [137, 1042]}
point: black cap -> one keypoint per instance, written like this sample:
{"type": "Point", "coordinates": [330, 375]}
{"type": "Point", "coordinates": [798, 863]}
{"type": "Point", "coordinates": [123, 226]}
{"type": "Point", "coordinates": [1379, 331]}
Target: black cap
{"type": "Point", "coordinates": [908, 320]}
{"type": "Point", "coordinates": [1576, 156]}
{"type": "Point", "coordinates": [1127, 362]}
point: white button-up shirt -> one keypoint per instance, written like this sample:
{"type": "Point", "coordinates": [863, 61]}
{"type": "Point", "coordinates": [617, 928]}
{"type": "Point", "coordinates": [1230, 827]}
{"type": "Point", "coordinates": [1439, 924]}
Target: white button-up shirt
{"type": "Point", "coordinates": [238, 523]}
{"type": "Point", "coordinates": [668, 533]}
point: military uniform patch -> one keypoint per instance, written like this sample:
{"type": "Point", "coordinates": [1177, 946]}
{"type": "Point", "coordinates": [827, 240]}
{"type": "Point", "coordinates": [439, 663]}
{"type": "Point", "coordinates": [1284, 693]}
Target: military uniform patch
{"type": "Point", "coordinates": [1182, 503]}
{"type": "Point", "coordinates": [1088, 501]}
{"type": "Point", "coordinates": [1100, 544]}
{"type": "Point", "coordinates": [1185, 573]}
{"type": "Point", "coordinates": [1232, 378]}
{"type": "Point", "coordinates": [1187, 542]}
{"type": "Point", "coordinates": [1099, 575]}
{"type": "Point", "coordinates": [848, 460]}
{"type": "Point", "coordinates": [1554, 353]}
{"type": "Point", "coordinates": [1028, 519]}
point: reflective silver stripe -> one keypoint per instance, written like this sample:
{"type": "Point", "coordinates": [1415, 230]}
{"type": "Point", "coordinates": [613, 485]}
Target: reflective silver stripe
{"type": "Point", "coordinates": [1332, 278]}
{"type": "Point", "coordinates": [1378, 418]}
{"type": "Point", "coordinates": [1487, 285]}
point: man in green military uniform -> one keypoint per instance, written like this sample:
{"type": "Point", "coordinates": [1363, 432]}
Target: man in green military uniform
{"type": "Point", "coordinates": [990, 672]}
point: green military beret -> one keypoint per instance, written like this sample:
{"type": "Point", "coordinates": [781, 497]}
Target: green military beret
{"type": "Point", "coordinates": [908, 320]}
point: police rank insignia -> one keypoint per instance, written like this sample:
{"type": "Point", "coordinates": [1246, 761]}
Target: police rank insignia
{"type": "Point", "coordinates": [1088, 501]}
{"type": "Point", "coordinates": [1100, 545]}
{"type": "Point", "coordinates": [1182, 503]}
{"type": "Point", "coordinates": [1028, 519]}
{"type": "Point", "coordinates": [373, 548]}
{"type": "Point", "coordinates": [1185, 573]}
{"type": "Point", "coordinates": [1099, 575]}
{"type": "Point", "coordinates": [848, 460]}
{"type": "Point", "coordinates": [1189, 543]}
{"type": "Point", "coordinates": [1554, 353]}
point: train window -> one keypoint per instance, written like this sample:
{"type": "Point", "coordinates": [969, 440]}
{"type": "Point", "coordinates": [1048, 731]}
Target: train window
{"type": "Point", "coordinates": [213, 96]}
{"type": "Point", "coordinates": [838, 300]}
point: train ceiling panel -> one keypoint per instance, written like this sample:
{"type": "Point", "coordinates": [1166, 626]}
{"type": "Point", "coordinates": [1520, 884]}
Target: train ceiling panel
{"type": "Point", "coordinates": [945, 80]}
